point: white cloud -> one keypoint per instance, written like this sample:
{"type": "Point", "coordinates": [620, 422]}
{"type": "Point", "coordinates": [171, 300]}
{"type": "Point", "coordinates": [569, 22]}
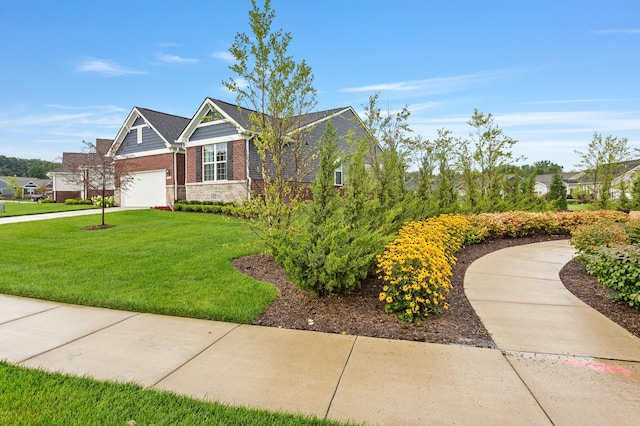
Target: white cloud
{"type": "Point", "coordinates": [618, 31]}
{"type": "Point", "coordinates": [106, 67]}
{"type": "Point", "coordinates": [224, 56]}
{"type": "Point", "coordinates": [430, 86]}
{"type": "Point", "coordinates": [175, 59]}
{"type": "Point", "coordinates": [578, 101]}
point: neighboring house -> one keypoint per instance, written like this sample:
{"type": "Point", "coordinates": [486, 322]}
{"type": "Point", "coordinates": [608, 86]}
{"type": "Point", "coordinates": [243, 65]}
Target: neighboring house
{"type": "Point", "coordinates": [211, 157]}
{"type": "Point", "coordinates": [68, 182]}
{"type": "Point", "coordinates": [543, 183]}
{"type": "Point", "coordinates": [146, 148]}
{"type": "Point", "coordinates": [623, 176]}
{"type": "Point", "coordinates": [29, 186]}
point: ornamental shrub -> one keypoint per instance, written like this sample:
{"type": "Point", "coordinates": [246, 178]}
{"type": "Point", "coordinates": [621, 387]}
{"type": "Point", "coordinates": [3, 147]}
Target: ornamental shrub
{"type": "Point", "coordinates": [77, 201]}
{"type": "Point", "coordinates": [617, 268]}
{"type": "Point", "coordinates": [108, 201]}
{"type": "Point", "coordinates": [416, 267]}
{"type": "Point", "coordinates": [592, 236]}
{"type": "Point", "coordinates": [521, 224]}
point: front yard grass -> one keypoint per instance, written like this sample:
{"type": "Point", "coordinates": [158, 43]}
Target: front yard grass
{"type": "Point", "coordinates": [32, 397]}
{"type": "Point", "coordinates": [151, 261]}
{"type": "Point", "coordinates": [27, 207]}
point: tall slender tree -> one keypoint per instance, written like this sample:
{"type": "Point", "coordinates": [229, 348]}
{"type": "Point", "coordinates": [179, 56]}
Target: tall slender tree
{"type": "Point", "coordinates": [600, 162]}
{"type": "Point", "coordinates": [280, 92]}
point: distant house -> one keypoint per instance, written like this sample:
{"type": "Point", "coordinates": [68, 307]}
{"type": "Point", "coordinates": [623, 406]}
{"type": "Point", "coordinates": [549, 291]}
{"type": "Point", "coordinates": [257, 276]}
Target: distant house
{"type": "Point", "coordinates": [67, 180]}
{"type": "Point", "coordinates": [624, 174]}
{"type": "Point", "coordinates": [30, 187]}
{"type": "Point", "coordinates": [210, 157]}
{"type": "Point", "coordinates": [543, 183]}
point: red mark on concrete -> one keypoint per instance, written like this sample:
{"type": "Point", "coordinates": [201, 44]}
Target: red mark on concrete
{"type": "Point", "coordinates": [598, 366]}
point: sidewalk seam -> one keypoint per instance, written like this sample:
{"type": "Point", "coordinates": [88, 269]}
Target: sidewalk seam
{"type": "Point", "coordinates": [528, 388]}
{"type": "Point", "coordinates": [194, 356]}
{"type": "Point", "coordinates": [30, 315]}
{"type": "Point", "coordinates": [335, 391]}
{"type": "Point", "coordinates": [135, 314]}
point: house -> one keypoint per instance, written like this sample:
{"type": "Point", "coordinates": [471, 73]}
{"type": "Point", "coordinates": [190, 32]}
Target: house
{"type": "Point", "coordinates": [624, 175]}
{"type": "Point", "coordinates": [68, 182]}
{"type": "Point", "coordinates": [212, 157]}
{"type": "Point", "coordinates": [29, 186]}
{"type": "Point", "coordinates": [147, 148]}
{"type": "Point", "coordinates": [543, 183]}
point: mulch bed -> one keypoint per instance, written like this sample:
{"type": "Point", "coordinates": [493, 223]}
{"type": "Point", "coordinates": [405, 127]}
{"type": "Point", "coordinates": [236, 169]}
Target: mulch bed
{"type": "Point", "coordinates": [362, 313]}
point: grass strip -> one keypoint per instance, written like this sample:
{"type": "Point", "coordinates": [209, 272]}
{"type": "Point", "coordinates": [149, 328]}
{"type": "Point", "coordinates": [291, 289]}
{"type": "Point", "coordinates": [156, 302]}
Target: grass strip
{"type": "Point", "coordinates": [32, 397]}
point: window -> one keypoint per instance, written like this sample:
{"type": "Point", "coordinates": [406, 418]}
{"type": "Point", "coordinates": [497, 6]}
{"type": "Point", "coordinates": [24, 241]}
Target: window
{"type": "Point", "coordinates": [214, 161]}
{"type": "Point", "coordinates": [337, 177]}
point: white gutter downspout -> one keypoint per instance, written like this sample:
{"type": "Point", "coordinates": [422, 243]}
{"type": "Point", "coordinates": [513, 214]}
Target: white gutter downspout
{"type": "Point", "coordinates": [246, 161]}
{"type": "Point", "coordinates": [175, 176]}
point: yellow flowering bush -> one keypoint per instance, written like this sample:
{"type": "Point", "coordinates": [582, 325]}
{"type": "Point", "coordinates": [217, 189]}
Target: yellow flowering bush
{"type": "Point", "coordinates": [416, 266]}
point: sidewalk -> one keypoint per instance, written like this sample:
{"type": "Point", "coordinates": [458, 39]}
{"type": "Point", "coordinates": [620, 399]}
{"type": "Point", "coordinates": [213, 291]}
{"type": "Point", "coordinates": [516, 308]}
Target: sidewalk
{"type": "Point", "coordinates": [540, 375]}
{"type": "Point", "coordinates": [45, 216]}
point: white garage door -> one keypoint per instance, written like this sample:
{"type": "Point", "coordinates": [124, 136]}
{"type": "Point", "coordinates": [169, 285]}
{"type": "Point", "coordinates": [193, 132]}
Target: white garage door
{"type": "Point", "coordinates": [147, 189]}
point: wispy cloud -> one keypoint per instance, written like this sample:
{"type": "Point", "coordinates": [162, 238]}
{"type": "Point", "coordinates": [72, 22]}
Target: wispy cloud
{"type": "Point", "coordinates": [223, 56]}
{"type": "Point", "coordinates": [175, 59]}
{"type": "Point", "coordinates": [618, 31]}
{"type": "Point", "coordinates": [66, 120]}
{"type": "Point", "coordinates": [579, 101]}
{"type": "Point", "coordinates": [106, 67]}
{"type": "Point", "coordinates": [429, 86]}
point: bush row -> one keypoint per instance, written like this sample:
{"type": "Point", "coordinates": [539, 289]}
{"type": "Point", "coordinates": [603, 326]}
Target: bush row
{"type": "Point", "coordinates": [77, 201]}
{"type": "Point", "coordinates": [522, 224]}
{"type": "Point", "coordinates": [245, 210]}
{"type": "Point", "coordinates": [610, 251]}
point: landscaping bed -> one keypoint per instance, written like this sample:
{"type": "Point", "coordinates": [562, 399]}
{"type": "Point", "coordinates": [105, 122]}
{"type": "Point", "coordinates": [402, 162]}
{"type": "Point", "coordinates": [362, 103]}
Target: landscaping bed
{"type": "Point", "coordinates": [362, 313]}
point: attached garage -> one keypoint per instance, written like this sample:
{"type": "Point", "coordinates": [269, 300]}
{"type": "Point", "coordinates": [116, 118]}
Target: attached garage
{"type": "Point", "coordinates": [147, 189]}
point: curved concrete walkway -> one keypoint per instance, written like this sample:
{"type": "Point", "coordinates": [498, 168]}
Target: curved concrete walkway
{"type": "Point", "coordinates": [531, 380]}
{"type": "Point", "coordinates": [581, 367]}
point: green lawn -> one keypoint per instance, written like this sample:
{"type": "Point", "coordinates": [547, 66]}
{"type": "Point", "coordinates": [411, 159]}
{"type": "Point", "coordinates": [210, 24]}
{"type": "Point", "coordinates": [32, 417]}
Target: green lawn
{"type": "Point", "coordinates": [31, 397]}
{"type": "Point", "coordinates": [151, 261]}
{"type": "Point", "coordinates": [27, 207]}
{"type": "Point", "coordinates": [577, 207]}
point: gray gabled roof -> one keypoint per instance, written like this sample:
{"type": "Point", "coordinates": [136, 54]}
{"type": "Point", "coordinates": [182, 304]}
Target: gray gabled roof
{"type": "Point", "coordinates": [169, 126]}
{"type": "Point", "coordinates": [241, 115]}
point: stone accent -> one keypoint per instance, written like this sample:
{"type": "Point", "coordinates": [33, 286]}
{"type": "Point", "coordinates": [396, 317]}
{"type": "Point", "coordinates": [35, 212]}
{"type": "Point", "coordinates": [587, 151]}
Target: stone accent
{"type": "Point", "coordinates": [217, 191]}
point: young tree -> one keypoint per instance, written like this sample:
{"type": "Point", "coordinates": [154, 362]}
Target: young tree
{"type": "Point", "coordinates": [96, 172]}
{"type": "Point", "coordinates": [600, 162]}
{"type": "Point", "coordinates": [558, 193]}
{"type": "Point", "coordinates": [334, 252]}
{"type": "Point", "coordinates": [12, 185]}
{"type": "Point", "coordinates": [279, 91]}
{"type": "Point", "coordinates": [390, 131]}
{"type": "Point", "coordinates": [492, 152]}
{"type": "Point", "coordinates": [635, 192]}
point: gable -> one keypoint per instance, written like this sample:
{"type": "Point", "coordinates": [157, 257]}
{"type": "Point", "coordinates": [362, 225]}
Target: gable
{"type": "Point", "coordinates": [139, 139]}
{"type": "Point", "coordinates": [148, 132]}
{"type": "Point", "coordinates": [211, 123]}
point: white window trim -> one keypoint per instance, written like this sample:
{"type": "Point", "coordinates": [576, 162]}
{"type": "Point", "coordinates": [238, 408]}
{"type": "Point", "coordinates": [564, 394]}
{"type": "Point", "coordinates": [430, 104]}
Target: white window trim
{"type": "Point", "coordinates": [335, 175]}
{"type": "Point", "coordinates": [215, 163]}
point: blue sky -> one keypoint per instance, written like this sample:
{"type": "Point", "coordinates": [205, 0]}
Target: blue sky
{"type": "Point", "coordinates": [551, 72]}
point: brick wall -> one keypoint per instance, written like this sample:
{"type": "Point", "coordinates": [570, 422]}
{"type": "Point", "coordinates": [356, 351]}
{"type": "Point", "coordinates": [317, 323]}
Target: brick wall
{"type": "Point", "coordinates": [151, 162]}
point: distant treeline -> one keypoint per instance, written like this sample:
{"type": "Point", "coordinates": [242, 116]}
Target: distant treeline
{"type": "Point", "coordinates": [10, 166]}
